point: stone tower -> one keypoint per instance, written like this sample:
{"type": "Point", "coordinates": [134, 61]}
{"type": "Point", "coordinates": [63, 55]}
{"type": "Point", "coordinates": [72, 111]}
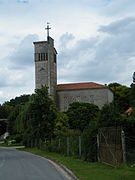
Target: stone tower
{"type": "Point", "coordinates": [45, 57]}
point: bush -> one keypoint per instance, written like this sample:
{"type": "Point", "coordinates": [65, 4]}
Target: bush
{"type": "Point", "coordinates": [89, 143]}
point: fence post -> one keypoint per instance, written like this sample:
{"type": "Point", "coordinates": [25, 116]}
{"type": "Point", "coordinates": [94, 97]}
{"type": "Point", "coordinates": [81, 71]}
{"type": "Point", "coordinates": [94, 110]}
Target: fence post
{"type": "Point", "coordinates": [80, 150]}
{"type": "Point", "coordinates": [123, 146]}
{"type": "Point", "coordinates": [98, 148]}
{"type": "Point", "coordinates": [67, 146]}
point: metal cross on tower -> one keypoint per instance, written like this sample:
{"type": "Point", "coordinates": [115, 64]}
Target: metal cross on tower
{"type": "Point", "coordinates": [47, 28]}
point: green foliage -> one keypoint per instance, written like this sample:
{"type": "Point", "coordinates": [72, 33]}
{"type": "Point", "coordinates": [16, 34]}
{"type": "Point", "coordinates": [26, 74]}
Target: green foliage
{"type": "Point", "coordinates": [61, 124]}
{"type": "Point", "coordinates": [13, 109]}
{"type": "Point", "coordinates": [129, 124]}
{"type": "Point", "coordinates": [21, 100]}
{"type": "Point", "coordinates": [17, 138]}
{"type": "Point", "coordinates": [109, 116]}
{"type": "Point", "coordinates": [89, 142]}
{"type": "Point", "coordinates": [12, 120]}
{"type": "Point", "coordinates": [81, 114]}
{"type": "Point", "coordinates": [132, 95]}
{"type": "Point", "coordinates": [121, 96]}
{"type": "Point", "coordinates": [3, 124]}
{"type": "Point", "coordinates": [3, 112]}
{"type": "Point", "coordinates": [114, 85]}
{"type": "Point", "coordinates": [3, 127]}
{"type": "Point", "coordinates": [40, 115]}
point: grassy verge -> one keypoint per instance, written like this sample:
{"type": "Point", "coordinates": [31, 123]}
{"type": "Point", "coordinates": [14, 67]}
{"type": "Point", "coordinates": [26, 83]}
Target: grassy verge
{"type": "Point", "coordinates": [88, 171]}
{"type": "Point", "coordinates": [11, 145]}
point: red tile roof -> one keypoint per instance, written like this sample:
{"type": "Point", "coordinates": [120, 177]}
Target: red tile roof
{"type": "Point", "coordinates": [75, 86]}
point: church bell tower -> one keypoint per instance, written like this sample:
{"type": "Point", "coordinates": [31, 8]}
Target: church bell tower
{"type": "Point", "coordinates": [45, 57]}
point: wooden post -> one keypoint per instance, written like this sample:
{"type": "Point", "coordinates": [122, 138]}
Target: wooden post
{"type": "Point", "coordinates": [98, 148]}
{"type": "Point", "coordinates": [123, 146]}
{"type": "Point", "coordinates": [80, 146]}
{"type": "Point", "coordinates": [67, 146]}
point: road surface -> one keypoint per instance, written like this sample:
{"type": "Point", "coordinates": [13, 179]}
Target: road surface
{"type": "Point", "coordinates": [18, 165]}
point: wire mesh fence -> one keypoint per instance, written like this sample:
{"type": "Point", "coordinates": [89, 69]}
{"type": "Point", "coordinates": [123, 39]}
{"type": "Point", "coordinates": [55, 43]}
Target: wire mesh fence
{"type": "Point", "coordinates": [130, 149]}
{"type": "Point", "coordinates": [73, 145]}
{"type": "Point", "coordinates": [111, 146]}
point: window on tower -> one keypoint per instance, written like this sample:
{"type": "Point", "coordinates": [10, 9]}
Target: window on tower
{"type": "Point", "coordinates": [41, 56]}
{"type": "Point", "coordinates": [38, 56]}
{"type": "Point", "coordinates": [55, 58]}
{"type": "Point", "coordinates": [46, 56]}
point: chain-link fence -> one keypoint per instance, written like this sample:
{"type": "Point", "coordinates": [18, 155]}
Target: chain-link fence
{"type": "Point", "coordinates": [73, 145]}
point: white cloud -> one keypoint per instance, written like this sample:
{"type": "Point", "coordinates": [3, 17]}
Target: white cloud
{"type": "Point", "coordinates": [119, 8]}
{"type": "Point", "coordinates": [22, 57]}
{"type": "Point", "coordinates": [17, 69]}
{"type": "Point", "coordinates": [103, 60]}
{"type": "Point", "coordinates": [94, 39]}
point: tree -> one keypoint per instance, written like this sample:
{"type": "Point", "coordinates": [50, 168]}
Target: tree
{"type": "Point", "coordinates": [21, 100]}
{"type": "Point", "coordinates": [12, 111]}
{"type": "Point", "coordinates": [3, 124]}
{"type": "Point", "coordinates": [41, 115]}
{"type": "Point", "coordinates": [132, 95]}
{"type": "Point", "coordinates": [109, 116]}
{"type": "Point", "coordinates": [90, 141]}
{"type": "Point", "coordinates": [61, 124]}
{"type": "Point", "coordinates": [121, 96]}
{"type": "Point", "coordinates": [12, 120]}
{"type": "Point", "coordinates": [3, 113]}
{"type": "Point", "coordinates": [3, 127]}
{"type": "Point", "coordinates": [80, 114]}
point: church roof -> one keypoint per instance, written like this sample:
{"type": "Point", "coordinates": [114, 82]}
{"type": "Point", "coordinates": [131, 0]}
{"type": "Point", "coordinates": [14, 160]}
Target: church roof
{"type": "Point", "coordinates": [75, 86]}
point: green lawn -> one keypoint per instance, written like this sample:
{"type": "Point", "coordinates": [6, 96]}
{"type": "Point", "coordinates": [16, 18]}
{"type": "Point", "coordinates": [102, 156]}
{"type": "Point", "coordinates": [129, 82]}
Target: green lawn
{"type": "Point", "coordinates": [89, 171]}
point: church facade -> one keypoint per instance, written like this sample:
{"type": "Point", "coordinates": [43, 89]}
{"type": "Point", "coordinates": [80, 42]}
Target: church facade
{"type": "Point", "coordinates": [45, 56]}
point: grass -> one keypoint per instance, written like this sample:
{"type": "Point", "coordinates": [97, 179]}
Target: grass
{"type": "Point", "coordinates": [11, 145]}
{"type": "Point", "coordinates": [86, 170]}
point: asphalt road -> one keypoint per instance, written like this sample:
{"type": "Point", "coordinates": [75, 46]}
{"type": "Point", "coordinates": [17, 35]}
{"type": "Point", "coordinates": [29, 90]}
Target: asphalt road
{"type": "Point", "coordinates": [18, 165]}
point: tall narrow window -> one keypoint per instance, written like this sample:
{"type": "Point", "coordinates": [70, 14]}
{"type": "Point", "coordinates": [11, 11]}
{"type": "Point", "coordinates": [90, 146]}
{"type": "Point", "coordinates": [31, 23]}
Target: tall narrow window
{"type": "Point", "coordinates": [41, 56]}
{"type": "Point", "coordinates": [38, 56]}
{"type": "Point", "coordinates": [46, 56]}
{"type": "Point", "coordinates": [55, 58]}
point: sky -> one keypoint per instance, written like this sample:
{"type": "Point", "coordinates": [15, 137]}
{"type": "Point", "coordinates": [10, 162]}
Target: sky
{"type": "Point", "coordinates": [95, 41]}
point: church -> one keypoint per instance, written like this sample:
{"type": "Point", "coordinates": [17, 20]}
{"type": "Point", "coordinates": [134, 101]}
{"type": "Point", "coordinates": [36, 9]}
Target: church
{"type": "Point", "coordinates": [45, 57]}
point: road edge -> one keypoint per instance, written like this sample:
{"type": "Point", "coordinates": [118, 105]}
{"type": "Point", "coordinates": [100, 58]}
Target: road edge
{"type": "Point", "coordinates": [59, 167]}
{"type": "Point", "coordinates": [64, 168]}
